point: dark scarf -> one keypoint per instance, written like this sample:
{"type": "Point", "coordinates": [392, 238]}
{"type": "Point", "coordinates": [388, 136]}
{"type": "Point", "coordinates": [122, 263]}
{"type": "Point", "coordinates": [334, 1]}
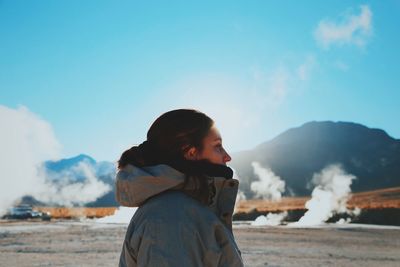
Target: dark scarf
{"type": "Point", "coordinates": [189, 167]}
{"type": "Point", "coordinates": [201, 167]}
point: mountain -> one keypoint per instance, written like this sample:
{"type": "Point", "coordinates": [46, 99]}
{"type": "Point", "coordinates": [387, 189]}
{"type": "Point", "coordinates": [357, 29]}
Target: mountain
{"type": "Point", "coordinates": [298, 153]}
{"type": "Point", "coordinates": [63, 168]}
{"type": "Point", "coordinates": [64, 164]}
{"type": "Point", "coordinates": [82, 173]}
{"type": "Point", "coordinates": [295, 156]}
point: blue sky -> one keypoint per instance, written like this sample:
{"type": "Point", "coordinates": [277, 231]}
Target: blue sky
{"type": "Point", "coordinates": [100, 72]}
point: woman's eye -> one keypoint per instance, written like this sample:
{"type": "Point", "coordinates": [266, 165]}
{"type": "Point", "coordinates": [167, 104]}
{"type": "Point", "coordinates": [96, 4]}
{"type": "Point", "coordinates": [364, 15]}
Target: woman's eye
{"type": "Point", "coordinates": [219, 147]}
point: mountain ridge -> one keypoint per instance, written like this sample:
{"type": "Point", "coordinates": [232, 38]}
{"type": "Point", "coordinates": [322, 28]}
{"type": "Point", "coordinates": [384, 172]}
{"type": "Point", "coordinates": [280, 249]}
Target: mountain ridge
{"type": "Point", "coordinates": [298, 153]}
{"type": "Point", "coordinates": [294, 155]}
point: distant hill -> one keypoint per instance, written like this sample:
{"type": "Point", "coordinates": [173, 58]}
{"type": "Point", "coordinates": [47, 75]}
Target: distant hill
{"type": "Point", "coordinates": [64, 164]}
{"type": "Point", "coordinates": [64, 172]}
{"type": "Point", "coordinates": [295, 155]}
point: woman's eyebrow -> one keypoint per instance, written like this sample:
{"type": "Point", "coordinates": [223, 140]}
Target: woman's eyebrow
{"type": "Point", "coordinates": [218, 139]}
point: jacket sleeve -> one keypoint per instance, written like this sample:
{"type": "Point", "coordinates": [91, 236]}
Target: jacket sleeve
{"type": "Point", "coordinates": [231, 255]}
{"type": "Point", "coordinates": [127, 257]}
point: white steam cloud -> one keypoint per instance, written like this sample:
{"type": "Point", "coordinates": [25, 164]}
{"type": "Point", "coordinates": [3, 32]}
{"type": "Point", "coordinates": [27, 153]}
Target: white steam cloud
{"type": "Point", "coordinates": [272, 219]}
{"type": "Point", "coordinates": [59, 190]}
{"type": "Point", "coordinates": [355, 29]}
{"type": "Point", "coordinates": [328, 197]}
{"type": "Point", "coordinates": [240, 195]}
{"type": "Point", "coordinates": [269, 186]}
{"type": "Point", "coordinates": [121, 215]}
{"type": "Point", "coordinates": [27, 141]}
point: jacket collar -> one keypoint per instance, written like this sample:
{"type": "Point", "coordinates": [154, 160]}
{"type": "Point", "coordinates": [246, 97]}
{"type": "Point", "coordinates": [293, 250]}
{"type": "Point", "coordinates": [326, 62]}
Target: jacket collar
{"type": "Point", "coordinates": [135, 185]}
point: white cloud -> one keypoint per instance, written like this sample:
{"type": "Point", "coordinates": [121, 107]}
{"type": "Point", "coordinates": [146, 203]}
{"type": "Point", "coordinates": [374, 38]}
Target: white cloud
{"type": "Point", "coordinates": [353, 29]}
{"type": "Point", "coordinates": [26, 141]}
{"type": "Point", "coordinates": [277, 89]}
{"type": "Point", "coordinates": [305, 69]}
{"type": "Point", "coordinates": [341, 65]}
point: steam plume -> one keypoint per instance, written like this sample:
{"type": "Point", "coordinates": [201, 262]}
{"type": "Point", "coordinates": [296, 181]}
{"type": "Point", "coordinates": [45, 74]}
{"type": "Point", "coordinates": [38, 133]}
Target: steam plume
{"type": "Point", "coordinates": [269, 185]}
{"type": "Point", "coordinates": [272, 219]}
{"type": "Point", "coordinates": [59, 190]}
{"type": "Point", "coordinates": [121, 215]}
{"type": "Point", "coordinates": [27, 141]}
{"type": "Point", "coordinates": [328, 197]}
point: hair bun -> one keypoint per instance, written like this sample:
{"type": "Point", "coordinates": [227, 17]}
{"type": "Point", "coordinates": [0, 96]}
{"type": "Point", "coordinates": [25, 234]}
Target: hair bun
{"type": "Point", "coordinates": [141, 155]}
{"type": "Point", "coordinates": [148, 151]}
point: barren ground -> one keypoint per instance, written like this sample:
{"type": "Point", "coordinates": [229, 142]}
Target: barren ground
{"type": "Point", "coordinates": [377, 199]}
{"type": "Point", "coordinates": [69, 243]}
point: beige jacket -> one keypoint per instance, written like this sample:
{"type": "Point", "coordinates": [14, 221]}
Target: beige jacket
{"type": "Point", "coordinates": [171, 228]}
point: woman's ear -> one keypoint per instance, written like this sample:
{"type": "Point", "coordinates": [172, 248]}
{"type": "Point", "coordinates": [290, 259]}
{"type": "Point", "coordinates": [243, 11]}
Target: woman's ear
{"type": "Point", "coordinates": [191, 154]}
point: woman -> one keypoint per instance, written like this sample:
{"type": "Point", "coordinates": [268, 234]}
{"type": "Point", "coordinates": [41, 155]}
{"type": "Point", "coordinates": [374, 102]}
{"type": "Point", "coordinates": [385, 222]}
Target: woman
{"type": "Point", "coordinates": [185, 193]}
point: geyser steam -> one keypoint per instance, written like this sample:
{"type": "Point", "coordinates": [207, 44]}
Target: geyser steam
{"type": "Point", "coordinates": [328, 197]}
{"type": "Point", "coordinates": [271, 219]}
{"type": "Point", "coordinates": [27, 141]}
{"type": "Point", "coordinates": [269, 185]}
{"type": "Point", "coordinates": [59, 190]}
{"type": "Point", "coordinates": [121, 215]}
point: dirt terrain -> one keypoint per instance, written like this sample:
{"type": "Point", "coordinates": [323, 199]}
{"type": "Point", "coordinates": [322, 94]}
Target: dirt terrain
{"type": "Point", "coordinates": [77, 212]}
{"type": "Point", "coordinates": [87, 243]}
{"type": "Point", "coordinates": [377, 199]}
{"type": "Point", "coordinates": [377, 207]}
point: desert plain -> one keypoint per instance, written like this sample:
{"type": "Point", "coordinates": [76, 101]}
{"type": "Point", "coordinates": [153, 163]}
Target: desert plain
{"type": "Point", "coordinates": [90, 243]}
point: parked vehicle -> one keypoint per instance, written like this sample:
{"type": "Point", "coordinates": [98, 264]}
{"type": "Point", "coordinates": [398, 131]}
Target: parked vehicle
{"type": "Point", "coordinates": [24, 212]}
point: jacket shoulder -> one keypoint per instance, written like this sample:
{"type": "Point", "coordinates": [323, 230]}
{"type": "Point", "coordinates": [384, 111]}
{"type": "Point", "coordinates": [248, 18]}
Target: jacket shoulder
{"type": "Point", "coordinates": [174, 205]}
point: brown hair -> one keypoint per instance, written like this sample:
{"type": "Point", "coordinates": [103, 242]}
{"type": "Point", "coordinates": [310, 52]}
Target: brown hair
{"type": "Point", "coordinates": [169, 137]}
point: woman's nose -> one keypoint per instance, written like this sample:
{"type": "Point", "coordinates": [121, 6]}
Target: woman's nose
{"type": "Point", "coordinates": [227, 158]}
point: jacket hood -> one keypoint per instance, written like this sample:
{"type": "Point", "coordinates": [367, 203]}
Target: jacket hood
{"type": "Point", "coordinates": [135, 185]}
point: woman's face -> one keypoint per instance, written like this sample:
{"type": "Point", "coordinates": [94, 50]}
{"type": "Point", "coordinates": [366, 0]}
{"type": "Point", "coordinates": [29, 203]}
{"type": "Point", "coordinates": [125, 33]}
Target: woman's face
{"type": "Point", "coordinates": [213, 149]}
